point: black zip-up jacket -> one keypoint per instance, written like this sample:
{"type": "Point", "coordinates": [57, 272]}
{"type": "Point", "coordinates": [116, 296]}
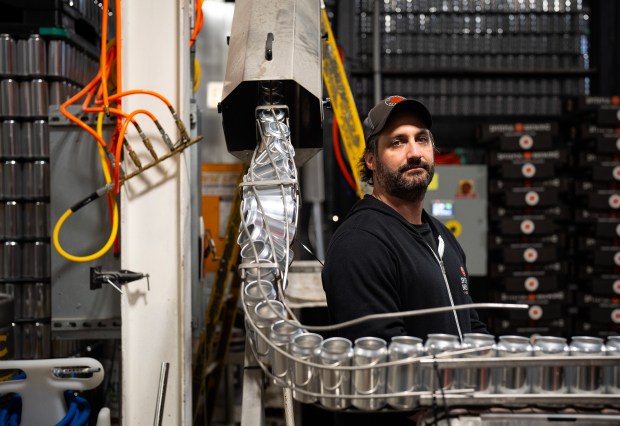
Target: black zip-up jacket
{"type": "Point", "coordinates": [377, 262]}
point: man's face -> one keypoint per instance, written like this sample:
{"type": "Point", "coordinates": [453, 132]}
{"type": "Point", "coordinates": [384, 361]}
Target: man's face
{"type": "Point", "coordinates": [403, 165]}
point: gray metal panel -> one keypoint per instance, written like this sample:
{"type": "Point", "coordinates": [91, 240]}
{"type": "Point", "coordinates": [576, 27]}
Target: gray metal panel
{"type": "Point", "coordinates": [75, 172]}
{"type": "Point", "coordinates": [296, 46]}
{"type": "Point", "coordinates": [470, 212]}
{"type": "Point", "coordinates": [291, 77]}
{"type": "Point", "coordinates": [211, 53]}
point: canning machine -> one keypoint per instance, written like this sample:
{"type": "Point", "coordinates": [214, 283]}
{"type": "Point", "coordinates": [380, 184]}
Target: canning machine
{"type": "Point", "coordinates": [272, 116]}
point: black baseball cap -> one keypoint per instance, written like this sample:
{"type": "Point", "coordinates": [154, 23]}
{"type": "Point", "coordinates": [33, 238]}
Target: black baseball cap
{"type": "Point", "coordinates": [379, 115]}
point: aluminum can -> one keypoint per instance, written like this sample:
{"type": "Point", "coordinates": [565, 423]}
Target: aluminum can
{"type": "Point", "coordinates": [7, 55]}
{"type": "Point", "coordinates": [36, 180]}
{"type": "Point", "coordinates": [406, 377]}
{"type": "Point", "coordinates": [35, 219]}
{"type": "Point", "coordinates": [9, 101]}
{"type": "Point", "coordinates": [335, 352]}
{"type": "Point", "coordinates": [25, 98]}
{"type": "Point", "coordinates": [613, 372]}
{"type": "Point", "coordinates": [307, 347]}
{"type": "Point", "coordinates": [25, 145]}
{"type": "Point", "coordinates": [434, 379]}
{"type": "Point", "coordinates": [11, 174]}
{"type": "Point", "coordinates": [37, 56]}
{"type": "Point", "coordinates": [369, 351]}
{"type": "Point", "coordinates": [253, 295]}
{"type": "Point", "coordinates": [10, 137]}
{"type": "Point", "coordinates": [40, 139]}
{"type": "Point", "coordinates": [39, 99]}
{"type": "Point", "coordinates": [478, 379]}
{"type": "Point", "coordinates": [582, 378]}
{"type": "Point", "coordinates": [267, 313]}
{"type": "Point", "coordinates": [281, 335]}
{"type": "Point", "coordinates": [56, 58]}
{"type": "Point", "coordinates": [35, 301]}
{"type": "Point", "coordinates": [512, 379]}
{"type": "Point", "coordinates": [551, 379]}
{"type": "Point", "coordinates": [11, 260]}
{"type": "Point", "coordinates": [11, 220]}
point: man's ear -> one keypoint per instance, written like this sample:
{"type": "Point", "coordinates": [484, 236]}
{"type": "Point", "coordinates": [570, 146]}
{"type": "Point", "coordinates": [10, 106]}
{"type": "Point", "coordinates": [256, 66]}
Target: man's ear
{"type": "Point", "coordinates": [369, 158]}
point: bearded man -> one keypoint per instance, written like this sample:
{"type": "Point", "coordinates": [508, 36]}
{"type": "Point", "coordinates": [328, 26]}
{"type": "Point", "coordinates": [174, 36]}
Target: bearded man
{"type": "Point", "coordinates": [389, 255]}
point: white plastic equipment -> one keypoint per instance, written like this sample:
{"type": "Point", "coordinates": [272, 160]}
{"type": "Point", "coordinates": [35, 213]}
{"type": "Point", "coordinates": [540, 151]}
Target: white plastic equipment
{"type": "Point", "coordinates": [42, 391]}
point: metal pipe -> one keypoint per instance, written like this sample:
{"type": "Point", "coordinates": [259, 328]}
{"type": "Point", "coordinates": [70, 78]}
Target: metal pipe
{"type": "Point", "coordinates": [161, 393]}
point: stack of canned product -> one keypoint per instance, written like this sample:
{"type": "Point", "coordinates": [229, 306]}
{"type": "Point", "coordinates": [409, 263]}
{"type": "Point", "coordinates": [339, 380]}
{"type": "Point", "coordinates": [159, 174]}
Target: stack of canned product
{"type": "Point", "coordinates": [530, 204]}
{"type": "Point", "coordinates": [596, 142]}
{"type": "Point", "coordinates": [34, 74]}
{"type": "Point", "coordinates": [370, 375]}
{"type": "Point", "coordinates": [479, 49]}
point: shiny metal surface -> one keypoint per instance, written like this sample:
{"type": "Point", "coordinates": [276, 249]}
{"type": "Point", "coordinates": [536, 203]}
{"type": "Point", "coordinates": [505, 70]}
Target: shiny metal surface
{"type": "Point", "coordinates": [369, 351]}
{"type": "Point", "coordinates": [9, 101]}
{"type": "Point", "coordinates": [585, 379]}
{"type": "Point", "coordinates": [56, 66]}
{"type": "Point", "coordinates": [36, 301]}
{"type": "Point", "coordinates": [336, 351]}
{"type": "Point", "coordinates": [613, 372]}
{"type": "Point", "coordinates": [439, 379]}
{"type": "Point", "coordinates": [25, 99]}
{"type": "Point", "coordinates": [550, 379]}
{"type": "Point", "coordinates": [11, 175]}
{"type": "Point", "coordinates": [406, 377]}
{"type": "Point", "coordinates": [282, 334]}
{"type": "Point", "coordinates": [37, 56]}
{"type": "Point", "coordinates": [39, 98]}
{"type": "Point", "coordinates": [293, 72]}
{"type": "Point", "coordinates": [267, 313]}
{"type": "Point", "coordinates": [254, 293]}
{"type": "Point", "coordinates": [11, 220]}
{"type": "Point", "coordinates": [515, 379]}
{"type": "Point", "coordinates": [7, 55]}
{"type": "Point", "coordinates": [305, 347]}
{"type": "Point", "coordinates": [10, 139]}
{"type": "Point", "coordinates": [40, 139]}
{"type": "Point", "coordinates": [479, 379]}
{"type": "Point", "coordinates": [35, 219]}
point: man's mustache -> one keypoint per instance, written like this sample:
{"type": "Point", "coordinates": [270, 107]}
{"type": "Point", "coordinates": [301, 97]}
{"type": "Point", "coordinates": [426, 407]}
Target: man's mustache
{"type": "Point", "coordinates": [412, 163]}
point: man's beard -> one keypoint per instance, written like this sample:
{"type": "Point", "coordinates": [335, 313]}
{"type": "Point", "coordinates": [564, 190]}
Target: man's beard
{"type": "Point", "coordinates": [410, 188]}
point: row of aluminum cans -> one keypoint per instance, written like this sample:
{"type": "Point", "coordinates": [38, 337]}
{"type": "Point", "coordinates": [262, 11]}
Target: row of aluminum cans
{"type": "Point", "coordinates": [459, 44]}
{"type": "Point", "coordinates": [515, 6]}
{"type": "Point", "coordinates": [24, 219]}
{"type": "Point", "coordinates": [32, 300]}
{"type": "Point", "coordinates": [38, 57]}
{"type": "Point", "coordinates": [26, 340]}
{"type": "Point", "coordinates": [27, 139]}
{"type": "Point", "coordinates": [484, 86]}
{"type": "Point", "coordinates": [31, 98]}
{"type": "Point", "coordinates": [24, 179]}
{"type": "Point", "coordinates": [25, 259]}
{"type": "Point", "coordinates": [312, 366]}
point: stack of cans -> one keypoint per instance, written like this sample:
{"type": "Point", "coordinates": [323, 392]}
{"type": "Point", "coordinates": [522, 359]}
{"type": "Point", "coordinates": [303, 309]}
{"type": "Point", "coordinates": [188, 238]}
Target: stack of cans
{"type": "Point", "coordinates": [521, 41]}
{"type": "Point", "coordinates": [597, 203]}
{"type": "Point", "coordinates": [530, 257]}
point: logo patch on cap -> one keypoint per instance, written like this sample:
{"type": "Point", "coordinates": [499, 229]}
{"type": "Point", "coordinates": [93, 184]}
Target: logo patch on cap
{"type": "Point", "coordinates": [393, 100]}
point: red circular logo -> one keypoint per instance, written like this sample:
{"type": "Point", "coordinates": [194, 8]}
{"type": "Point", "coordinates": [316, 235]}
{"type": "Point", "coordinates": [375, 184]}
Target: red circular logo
{"type": "Point", "coordinates": [616, 286]}
{"type": "Point", "coordinates": [527, 226]}
{"type": "Point", "coordinates": [615, 316]}
{"type": "Point", "coordinates": [617, 258]}
{"type": "Point", "coordinates": [526, 142]}
{"type": "Point", "coordinates": [616, 173]}
{"type": "Point", "coordinates": [532, 198]}
{"type": "Point", "coordinates": [530, 255]}
{"type": "Point", "coordinates": [535, 312]}
{"type": "Point", "coordinates": [531, 283]}
{"type": "Point", "coordinates": [528, 170]}
{"type": "Point", "coordinates": [614, 201]}
{"type": "Point", "coordinates": [393, 100]}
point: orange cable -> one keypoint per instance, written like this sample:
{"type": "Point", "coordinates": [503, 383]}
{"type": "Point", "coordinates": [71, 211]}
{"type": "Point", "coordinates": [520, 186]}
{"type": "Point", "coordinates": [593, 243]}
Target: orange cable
{"type": "Point", "coordinates": [104, 51]}
{"type": "Point", "coordinates": [143, 92]}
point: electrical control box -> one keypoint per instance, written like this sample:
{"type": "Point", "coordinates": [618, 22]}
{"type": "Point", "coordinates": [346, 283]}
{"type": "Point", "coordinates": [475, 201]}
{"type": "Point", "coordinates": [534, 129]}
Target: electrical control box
{"type": "Point", "coordinates": [457, 196]}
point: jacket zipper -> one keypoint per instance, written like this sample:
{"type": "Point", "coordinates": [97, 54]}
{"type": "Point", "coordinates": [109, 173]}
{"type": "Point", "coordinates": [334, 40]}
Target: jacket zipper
{"type": "Point", "coordinates": [439, 259]}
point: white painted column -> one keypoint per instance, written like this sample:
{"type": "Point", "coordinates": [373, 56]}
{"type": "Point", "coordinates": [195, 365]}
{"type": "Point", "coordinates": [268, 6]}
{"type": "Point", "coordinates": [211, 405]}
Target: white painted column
{"type": "Point", "coordinates": [155, 218]}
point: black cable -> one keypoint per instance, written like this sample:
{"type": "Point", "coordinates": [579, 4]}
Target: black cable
{"type": "Point", "coordinates": [309, 251]}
